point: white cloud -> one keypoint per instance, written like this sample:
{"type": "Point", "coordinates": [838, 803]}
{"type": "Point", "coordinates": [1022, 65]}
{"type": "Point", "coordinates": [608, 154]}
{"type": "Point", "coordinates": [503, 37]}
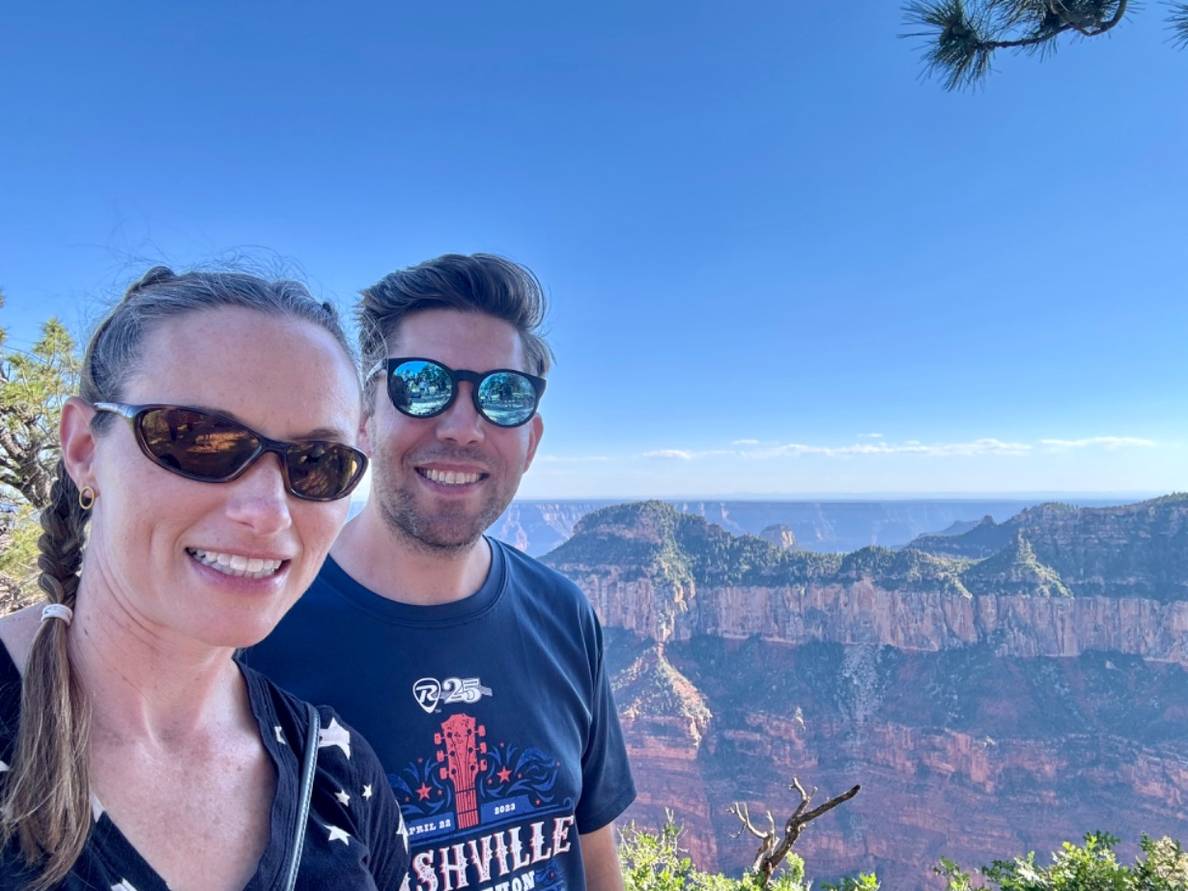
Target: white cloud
{"type": "Point", "coordinates": [1110, 443]}
{"type": "Point", "coordinates": [874, 444]}
{"type": "Point", "coordinates": [984, 446]}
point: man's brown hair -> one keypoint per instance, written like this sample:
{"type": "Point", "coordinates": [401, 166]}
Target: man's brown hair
{"type": "Point", "coordinates": [481, 283]}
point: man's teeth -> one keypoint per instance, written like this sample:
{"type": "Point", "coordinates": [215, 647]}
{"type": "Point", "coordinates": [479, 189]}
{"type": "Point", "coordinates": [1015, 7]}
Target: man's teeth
{"type": "Point", "coordinates": [451, 477]}
{"type": "Point", "coordinates": [235, 564]}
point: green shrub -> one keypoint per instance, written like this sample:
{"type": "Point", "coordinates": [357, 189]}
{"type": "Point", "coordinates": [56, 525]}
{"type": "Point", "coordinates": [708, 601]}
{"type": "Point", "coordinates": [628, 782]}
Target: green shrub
{"type": "Point", "coordinates": [1092, 866]}
{"type": "Point", "coordinates": [863, 882]}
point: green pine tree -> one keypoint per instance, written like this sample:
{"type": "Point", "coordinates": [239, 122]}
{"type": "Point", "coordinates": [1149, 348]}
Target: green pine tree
{"type": "Point", "coordinates": [34, 384]}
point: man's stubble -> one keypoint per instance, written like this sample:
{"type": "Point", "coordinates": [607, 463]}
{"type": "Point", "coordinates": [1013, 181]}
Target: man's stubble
{"type": "Point", "coordinates": [446, 530]}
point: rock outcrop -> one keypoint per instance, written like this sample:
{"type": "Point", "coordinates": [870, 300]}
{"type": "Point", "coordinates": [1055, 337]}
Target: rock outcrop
{"type": "Point", "coordinates": [779, 535]}
{"type": "Point", "coordinates": [1134, 550]}
{"type": "Point", "coordinates": [1014, 571]}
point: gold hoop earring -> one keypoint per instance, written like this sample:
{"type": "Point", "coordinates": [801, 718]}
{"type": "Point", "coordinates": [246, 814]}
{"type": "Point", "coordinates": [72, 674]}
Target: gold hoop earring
{"type": "Point", "coordinates": [86, 498]}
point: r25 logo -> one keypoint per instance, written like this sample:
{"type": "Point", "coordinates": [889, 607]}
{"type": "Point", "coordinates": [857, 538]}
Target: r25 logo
{"type": "Point", "coordinates": [430, 692]}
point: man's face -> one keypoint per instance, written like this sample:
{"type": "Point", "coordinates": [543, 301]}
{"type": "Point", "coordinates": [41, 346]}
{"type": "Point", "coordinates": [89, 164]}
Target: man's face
{"type": "Point", "coordinates": [441, 481]}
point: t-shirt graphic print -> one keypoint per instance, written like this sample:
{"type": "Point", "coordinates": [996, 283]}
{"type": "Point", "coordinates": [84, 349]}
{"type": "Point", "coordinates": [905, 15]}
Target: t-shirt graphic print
{"type": "Point", "coordinates": [502, 799]}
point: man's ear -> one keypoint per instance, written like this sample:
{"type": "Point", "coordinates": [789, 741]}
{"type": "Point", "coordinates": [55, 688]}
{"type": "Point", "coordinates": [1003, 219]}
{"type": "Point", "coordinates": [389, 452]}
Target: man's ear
{"type": "Point", "coordinates": [535, 432]}
{"type": "Point", "coordinates": [78, 441]}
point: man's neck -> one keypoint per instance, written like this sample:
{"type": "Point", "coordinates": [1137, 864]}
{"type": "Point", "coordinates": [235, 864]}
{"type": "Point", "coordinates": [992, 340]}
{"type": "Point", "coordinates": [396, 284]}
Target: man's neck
{"type": "Point", "coordinates": [387, 562]}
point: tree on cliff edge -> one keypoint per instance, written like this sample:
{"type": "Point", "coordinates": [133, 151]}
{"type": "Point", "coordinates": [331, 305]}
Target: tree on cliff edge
{"type": "Point", "coordinates": [962, 36]}
{"type": "Point", "coordinates": [33, 386]}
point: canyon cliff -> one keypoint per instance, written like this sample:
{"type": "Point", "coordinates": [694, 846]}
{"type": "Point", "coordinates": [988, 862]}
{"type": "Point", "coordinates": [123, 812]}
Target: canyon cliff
{"type": "Point", "coordinates": [995, 690]}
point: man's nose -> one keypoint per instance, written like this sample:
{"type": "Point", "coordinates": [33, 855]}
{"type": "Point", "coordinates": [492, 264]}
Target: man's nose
{"type": "Point", "coordinates": [461, 423]}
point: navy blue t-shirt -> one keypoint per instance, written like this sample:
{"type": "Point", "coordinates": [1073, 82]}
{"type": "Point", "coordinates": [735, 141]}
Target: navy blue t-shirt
{"type": "Point", "coordinates": [492, 716]}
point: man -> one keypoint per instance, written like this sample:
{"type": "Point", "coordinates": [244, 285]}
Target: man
{"type": "Point", "coordinates": [475, 672]}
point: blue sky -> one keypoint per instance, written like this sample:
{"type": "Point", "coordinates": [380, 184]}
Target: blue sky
{"type": "Point", "coordinates": [780, 262]}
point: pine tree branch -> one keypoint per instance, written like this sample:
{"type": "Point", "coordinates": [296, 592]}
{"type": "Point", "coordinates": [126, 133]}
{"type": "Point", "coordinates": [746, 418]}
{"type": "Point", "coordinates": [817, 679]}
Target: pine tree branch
{"type": "Point", "coordinates": [1089, 26]}
{"type": "Point", "coordinates": [1178, 22]}
{"type": "Point", "coordinates": [963, 36]}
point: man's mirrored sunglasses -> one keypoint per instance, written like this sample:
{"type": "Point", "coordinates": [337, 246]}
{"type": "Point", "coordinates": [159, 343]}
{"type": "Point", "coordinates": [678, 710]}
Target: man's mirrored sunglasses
{"type": "Point", "coordinates": [212, 448]}
{"type": "Point", "coordinates": [423, 388]}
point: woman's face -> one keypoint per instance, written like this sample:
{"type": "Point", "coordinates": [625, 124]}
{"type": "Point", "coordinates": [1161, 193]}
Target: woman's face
{"type": "Point", "coordinates": [285, 378]}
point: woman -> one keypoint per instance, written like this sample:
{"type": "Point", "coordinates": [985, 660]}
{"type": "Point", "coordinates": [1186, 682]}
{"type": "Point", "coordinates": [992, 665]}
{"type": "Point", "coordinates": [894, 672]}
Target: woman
{"type": "Point", "coordinates": [211, 447]}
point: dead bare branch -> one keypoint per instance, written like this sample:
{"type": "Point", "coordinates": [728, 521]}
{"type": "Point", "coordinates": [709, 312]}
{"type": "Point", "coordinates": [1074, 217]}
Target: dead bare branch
{"type": "Point", "coordinates": [773, 846]}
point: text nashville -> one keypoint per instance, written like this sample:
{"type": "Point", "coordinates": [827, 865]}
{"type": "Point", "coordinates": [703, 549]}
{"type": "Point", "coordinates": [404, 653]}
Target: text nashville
{"type": "Point", "coordinates": [489, 857]}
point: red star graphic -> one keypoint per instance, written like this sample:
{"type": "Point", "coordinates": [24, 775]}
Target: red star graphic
{"type": "Point", "coordinates": [504, 775]}
{"type": "Point", "coordinates": [423, 792]}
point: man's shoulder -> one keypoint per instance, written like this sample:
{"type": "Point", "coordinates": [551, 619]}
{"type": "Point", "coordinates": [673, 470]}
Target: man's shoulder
{"type": "Point", "coordinates": [271, 701]}
{"type": "Point", "coordinates": [537, 578]}
{"type": "Point", "coordinates": [323, 601]}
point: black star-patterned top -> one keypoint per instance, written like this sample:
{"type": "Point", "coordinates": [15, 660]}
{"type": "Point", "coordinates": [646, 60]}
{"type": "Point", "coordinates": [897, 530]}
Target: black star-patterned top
{"type": "Point", "coordinates": [355, 838]}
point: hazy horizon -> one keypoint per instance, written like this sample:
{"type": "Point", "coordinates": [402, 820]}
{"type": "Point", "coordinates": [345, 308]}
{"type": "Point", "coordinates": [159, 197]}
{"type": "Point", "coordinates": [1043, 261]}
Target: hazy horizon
{"type": "Point", "coordinates": [861, 496]}
{"type": "Point", "coordinates": [1120, 497]}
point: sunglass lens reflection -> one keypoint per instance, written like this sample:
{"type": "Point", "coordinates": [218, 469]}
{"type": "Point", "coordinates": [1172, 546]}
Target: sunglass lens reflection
{"type": "Point", "coordinates": [507, 399]}
{"type": "Point", "coordinates": [321, 470]}
{"type": "Point", "coordinates": [420, 389]}
{"type": "Point", "coordinates": [199, 445]}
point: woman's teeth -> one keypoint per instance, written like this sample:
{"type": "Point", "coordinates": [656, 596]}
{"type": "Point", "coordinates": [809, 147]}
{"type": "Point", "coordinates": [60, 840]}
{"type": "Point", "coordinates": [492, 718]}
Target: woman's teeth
{"type": "Point", "coordinates": [451, 477]}
{"type": "Point", "coordinates": [234, 564]}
